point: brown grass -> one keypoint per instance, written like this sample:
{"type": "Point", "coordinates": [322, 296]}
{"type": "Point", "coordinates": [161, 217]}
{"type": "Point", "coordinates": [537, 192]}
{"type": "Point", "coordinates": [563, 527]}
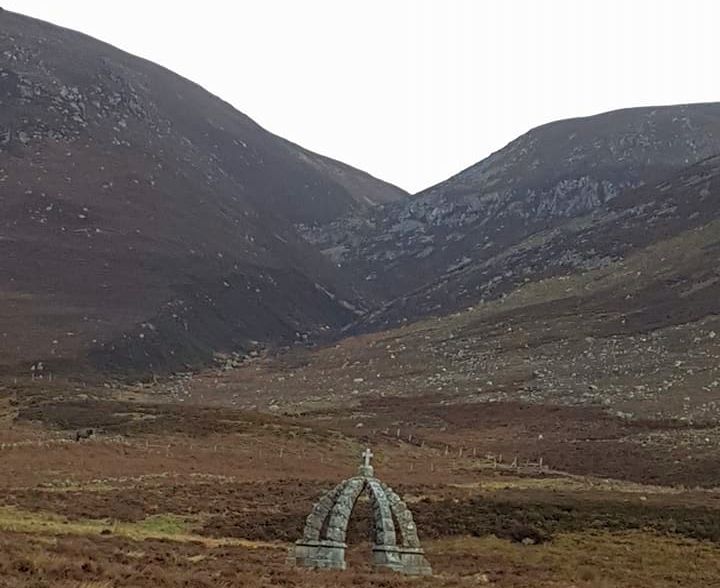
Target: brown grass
{"type": "Point", "coordinates": [589, 560]}
{"type": "Point", "coordinates": [213, 497]}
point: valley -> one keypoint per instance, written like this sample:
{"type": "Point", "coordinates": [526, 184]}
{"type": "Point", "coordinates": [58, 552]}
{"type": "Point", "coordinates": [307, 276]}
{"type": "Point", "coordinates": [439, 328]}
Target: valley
{"type": "Point", "coordinates": [203, 325]}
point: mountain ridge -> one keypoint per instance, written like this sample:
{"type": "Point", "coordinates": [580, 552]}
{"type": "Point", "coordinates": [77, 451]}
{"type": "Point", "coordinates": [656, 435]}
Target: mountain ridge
{"type": "Point", "coordinates": [127, 188]}
{"type": "Point", "coordinates": [534, 184]}
{"type": "Point", "coordinates": [149, 226]}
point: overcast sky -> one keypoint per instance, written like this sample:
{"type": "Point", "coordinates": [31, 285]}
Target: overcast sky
{"type": "Point", "coordinates": [413, 91]}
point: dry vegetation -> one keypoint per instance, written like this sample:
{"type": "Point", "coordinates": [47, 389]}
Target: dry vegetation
{"type": "Point", "coordinates": [191, 495]}
{"type": "Point", "coordinates": [517, 432]}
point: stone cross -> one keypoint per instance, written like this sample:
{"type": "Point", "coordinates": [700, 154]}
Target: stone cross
{"type": "Point", "coordinates": [367, 455]}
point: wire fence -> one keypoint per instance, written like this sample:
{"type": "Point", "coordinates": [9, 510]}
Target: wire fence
{"type": "Point", "coordinates": [434, 457]}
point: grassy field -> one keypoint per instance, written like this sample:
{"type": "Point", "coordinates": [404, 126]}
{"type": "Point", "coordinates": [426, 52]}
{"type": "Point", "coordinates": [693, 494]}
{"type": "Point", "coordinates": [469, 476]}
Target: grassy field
{"type": "Point", "coordinates": [196, 495]}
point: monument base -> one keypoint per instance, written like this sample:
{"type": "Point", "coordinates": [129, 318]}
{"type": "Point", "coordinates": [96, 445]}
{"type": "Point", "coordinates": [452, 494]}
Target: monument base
{"type": "Point", "coordinates": [406, 560]}
{"type": "Point", "coordinates": [328, 555]}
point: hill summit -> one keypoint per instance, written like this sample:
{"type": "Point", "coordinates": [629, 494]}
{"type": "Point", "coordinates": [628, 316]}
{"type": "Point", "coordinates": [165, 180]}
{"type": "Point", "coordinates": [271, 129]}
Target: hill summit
{"type": "Point", "coordinates": [147, 223]}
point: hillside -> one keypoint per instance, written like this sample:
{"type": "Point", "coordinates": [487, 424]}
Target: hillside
{"type": "Point", "coordinates": [444, 248]}
{"type": "Point", "coordinates": [147, 224]}
{"type": "Point", "coordinates": [675, 289]}
{"type": "Point", "coordinates": [632, 344]}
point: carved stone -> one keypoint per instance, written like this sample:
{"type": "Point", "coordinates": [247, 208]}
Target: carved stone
{"type": "Point", "coordinates": [323, 543]}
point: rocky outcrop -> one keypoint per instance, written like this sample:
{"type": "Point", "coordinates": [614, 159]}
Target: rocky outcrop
{"type": "Point", "coordinates": [538, 184]}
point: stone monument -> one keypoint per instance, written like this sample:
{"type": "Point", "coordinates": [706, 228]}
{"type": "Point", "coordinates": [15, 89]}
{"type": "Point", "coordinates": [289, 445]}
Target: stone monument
{"type": "Point", "coordinates": [396, 547]}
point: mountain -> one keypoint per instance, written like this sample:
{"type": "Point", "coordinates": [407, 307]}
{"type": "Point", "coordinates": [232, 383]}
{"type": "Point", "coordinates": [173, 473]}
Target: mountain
{"type": "Point", "coordinates": [617, 309]}
{"type": "Point", "coordinates": [149, 226]}
{"type": "Point", "coordinates": [447, 247]}
{"type": "Point", "coordinates": [145, 223]}
{"type": "Point", "coordinates": [673, 225]}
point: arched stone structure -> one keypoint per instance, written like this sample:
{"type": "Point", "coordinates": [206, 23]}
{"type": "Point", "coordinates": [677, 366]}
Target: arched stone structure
{"type": "Point", "coordinates": [323, 543]}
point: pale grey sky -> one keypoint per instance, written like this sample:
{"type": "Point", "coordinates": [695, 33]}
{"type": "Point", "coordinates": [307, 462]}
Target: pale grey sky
{"type": "Point", "coordinates": [413, 91]}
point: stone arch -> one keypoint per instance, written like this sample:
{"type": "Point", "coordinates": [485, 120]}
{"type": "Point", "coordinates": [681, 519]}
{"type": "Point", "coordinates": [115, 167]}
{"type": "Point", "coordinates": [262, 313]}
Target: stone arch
{"type": "Point", "coordinates": [336, 507]}
{"type": "Point", "coordinates": [342, 509]}
{"type": "Point", "coordinates": [406, 522]}
{"type": "Point", "coordinates": [323, 543]}
{"type": "Point", "coordinates": [320, 513]}
{"type": "Point", "coordinates": [383, 523]}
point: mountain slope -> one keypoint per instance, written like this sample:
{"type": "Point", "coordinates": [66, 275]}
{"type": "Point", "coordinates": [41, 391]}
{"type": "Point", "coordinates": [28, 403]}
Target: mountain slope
{"type": "Point", "coordinates": [145, 221]}
{"type": "Point", "coordinates": [553, 173]}
{"type": "Point", "coordinates": [619, 309]}
{"type": "Point", "coordinates": [680, 286]}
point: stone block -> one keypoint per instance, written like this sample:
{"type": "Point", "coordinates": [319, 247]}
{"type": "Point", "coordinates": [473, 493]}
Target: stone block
{"type": "Point", "coordinates": [319, 554]}
{"type": "Point", "coordinates": [405, 560]}
{"type": "Point", "coordinates": [414, 562]}
{"type": "Point", "coordinates": [385, 556]}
